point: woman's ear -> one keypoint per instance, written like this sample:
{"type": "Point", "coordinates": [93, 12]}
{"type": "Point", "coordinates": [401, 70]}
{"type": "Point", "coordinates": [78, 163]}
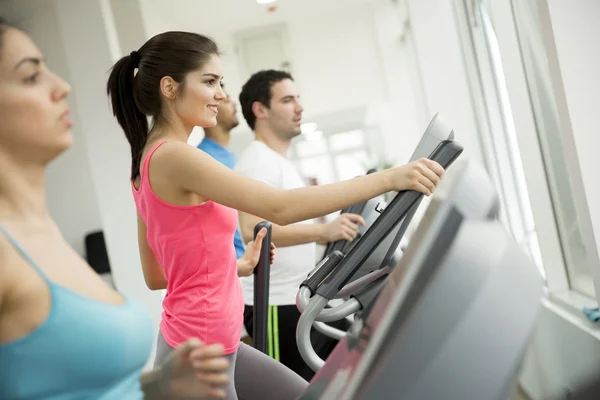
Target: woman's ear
{"type": "Point", "coordinates": [168, 87]}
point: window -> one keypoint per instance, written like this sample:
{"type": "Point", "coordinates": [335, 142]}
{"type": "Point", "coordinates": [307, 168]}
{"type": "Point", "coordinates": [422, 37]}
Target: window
{"type": "Point", "coordinates": [568, 215]}
{"type": "Point", "coordinates": [318, 167]}
{"type": "Point", "coordinates": [307, 148]}
{"type": "Point", "coordinates": [498, 135]}
{"type": "Point", "coordinates": [331, 158]}
{"type": "Point", "coordinates": [351, 165]}
{"type": "Point", "coordinates": [347, 140]}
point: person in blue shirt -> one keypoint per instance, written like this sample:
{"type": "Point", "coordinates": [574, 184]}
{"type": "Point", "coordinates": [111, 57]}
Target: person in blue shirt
{"type": "Point", "coordinates": [216, 142]}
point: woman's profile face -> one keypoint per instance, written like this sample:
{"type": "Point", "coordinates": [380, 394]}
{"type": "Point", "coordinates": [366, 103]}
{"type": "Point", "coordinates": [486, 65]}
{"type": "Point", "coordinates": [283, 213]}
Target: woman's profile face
{"type": "Point", "coordinates": [33, 108]}
{"type": "Point", "coordinates": [198, 103]}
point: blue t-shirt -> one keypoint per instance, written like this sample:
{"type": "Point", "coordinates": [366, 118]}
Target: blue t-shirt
{"type": "Point", "coordinates": [226, 158]}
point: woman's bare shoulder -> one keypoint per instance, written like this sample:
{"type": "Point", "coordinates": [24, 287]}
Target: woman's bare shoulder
{"type": "Point", "coordinates": [9, 263]}
{"type": "Point", "coordinates": [5, 271]}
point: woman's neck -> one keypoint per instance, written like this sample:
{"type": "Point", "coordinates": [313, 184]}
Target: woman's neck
{"type": "Point", "coordinates": [170, 128]}
{"type": "Point", "coordinates": [22, 191]}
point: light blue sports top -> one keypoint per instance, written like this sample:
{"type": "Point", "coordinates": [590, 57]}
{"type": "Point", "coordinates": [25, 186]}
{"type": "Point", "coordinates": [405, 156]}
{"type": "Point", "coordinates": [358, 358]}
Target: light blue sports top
{"type": "Point", "coordinates": [85, 349]}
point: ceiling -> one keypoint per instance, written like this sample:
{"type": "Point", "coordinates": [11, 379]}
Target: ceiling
{"type": "Point", "coordinates": [232, 15]}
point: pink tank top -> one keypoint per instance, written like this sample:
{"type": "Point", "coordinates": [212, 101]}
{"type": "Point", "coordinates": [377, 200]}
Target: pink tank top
{"type": "Point", "coordinates": [194, 245]}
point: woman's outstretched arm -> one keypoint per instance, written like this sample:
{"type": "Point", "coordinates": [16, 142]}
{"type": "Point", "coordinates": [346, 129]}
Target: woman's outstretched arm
{"type": "Point", "coordinates": [196, 172]}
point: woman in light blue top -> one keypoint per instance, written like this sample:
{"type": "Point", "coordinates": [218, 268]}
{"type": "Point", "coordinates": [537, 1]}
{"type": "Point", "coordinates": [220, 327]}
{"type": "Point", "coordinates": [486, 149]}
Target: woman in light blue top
{"type": "Point", "coordinates": [64, 334]}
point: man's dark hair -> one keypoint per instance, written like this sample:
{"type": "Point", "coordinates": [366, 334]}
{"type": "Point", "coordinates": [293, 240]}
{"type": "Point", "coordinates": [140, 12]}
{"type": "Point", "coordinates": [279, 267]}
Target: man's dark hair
{"type": "Point", "coordinates": [258, 88]}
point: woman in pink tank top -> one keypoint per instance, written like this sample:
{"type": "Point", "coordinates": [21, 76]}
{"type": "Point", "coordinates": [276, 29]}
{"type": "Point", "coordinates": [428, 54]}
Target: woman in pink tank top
{"type": "Point", "coordinates": [187, 202]}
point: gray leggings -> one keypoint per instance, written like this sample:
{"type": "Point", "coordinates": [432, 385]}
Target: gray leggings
{"type": "Point", "coordinates": [252, 375]}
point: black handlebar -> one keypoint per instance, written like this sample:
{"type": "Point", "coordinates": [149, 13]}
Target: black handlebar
{"type": "Point", "coordinates": [445, 154]}
{"type": "Point", "coordinates": [328, 264]}
{"type": "Point", "coordinates": [342, 244]}
{"type": "Point", "coordinates": [262, 274]}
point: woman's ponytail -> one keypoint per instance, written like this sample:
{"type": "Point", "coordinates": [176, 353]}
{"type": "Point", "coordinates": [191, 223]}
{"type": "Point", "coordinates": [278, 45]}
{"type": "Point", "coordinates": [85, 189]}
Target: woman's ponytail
{"type": "Point", "coordinates": [121, 90]}
{"type": "Point", "coordinates": [137, 96]}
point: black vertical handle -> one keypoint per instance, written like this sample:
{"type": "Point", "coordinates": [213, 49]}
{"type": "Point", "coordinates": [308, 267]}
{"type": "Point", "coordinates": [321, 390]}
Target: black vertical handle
{"type": "Point", "coordinates": [262, 274]}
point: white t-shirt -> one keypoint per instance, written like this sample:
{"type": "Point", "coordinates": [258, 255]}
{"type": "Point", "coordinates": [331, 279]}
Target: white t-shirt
{"type": "Point", "coordinates": [292, 264]}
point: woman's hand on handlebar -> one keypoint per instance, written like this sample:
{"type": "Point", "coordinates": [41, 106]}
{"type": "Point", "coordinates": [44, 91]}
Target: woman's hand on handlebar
{"type": "Point", "coordinates": [422, 175]}
{"type": "Point", "coordinates": [249, 261]}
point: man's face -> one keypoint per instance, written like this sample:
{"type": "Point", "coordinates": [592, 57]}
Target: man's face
{"type": "Point", "coordinates": [285, 110]}
{"type": "Point", "coordinates": [227, 116]}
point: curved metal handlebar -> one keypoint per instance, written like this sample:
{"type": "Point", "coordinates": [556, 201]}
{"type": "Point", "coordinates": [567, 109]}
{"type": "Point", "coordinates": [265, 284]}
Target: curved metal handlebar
{"type": "Point", "coordinates": [329, 331]}
{"type": "Point", "coordinates": [303, 298]}
{"type": "Point", "coordinates": [330, 314]}
{"type": "Point", "coordinates": [349, 307]}
{"type": "Point", "coordinates": [305, 347]}
{"type": "Point", "coordinates": [358, 284]}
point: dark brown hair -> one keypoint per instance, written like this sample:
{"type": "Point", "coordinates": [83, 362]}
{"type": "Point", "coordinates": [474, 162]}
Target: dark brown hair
{"type": "Point", "coordinates": [136, 96]}
{"type": "Point", "coordinates": [258, 88]}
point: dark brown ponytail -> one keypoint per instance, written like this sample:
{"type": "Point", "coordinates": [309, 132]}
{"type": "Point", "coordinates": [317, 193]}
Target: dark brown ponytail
{"type": "Point", "coordinates": [136, 96]}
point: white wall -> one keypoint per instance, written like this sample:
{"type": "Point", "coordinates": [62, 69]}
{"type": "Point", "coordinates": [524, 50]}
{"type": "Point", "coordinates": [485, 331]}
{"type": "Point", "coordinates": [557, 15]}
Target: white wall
{"type": "Point", "coordinates": [126, 19]}
{"type": "Point", "coordinates": [70, 193]}
{"type": "Point", "coordinates": [406, 112]}
{"type": "Point", "coordinates": [347, 77]}
{"type": "Point", "coordinates": [439, 53]}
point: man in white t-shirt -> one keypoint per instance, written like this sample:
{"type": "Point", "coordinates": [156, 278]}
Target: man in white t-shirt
{"type": "Point", "coordinates": [270, 104]}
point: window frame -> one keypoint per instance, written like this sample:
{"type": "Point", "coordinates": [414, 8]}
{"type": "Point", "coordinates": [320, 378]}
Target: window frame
{"type": "Point", "coordinates": [569, 152]}
{"type": "Point", "coordinates": [557, 279]}
{"type": "Point", "coordinates": [498, 132]}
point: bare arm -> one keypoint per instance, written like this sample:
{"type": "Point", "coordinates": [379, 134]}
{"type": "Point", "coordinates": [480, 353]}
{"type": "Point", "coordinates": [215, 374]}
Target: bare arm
{"type": "Point", "coordinates": [344, 227]}
{"type": "Point", "coordinates": [197, 172]}
{"type": "Point", "coordinates": [7, 277]}
{"type": "Point", "coordinates": [282, 236]}
{"type": "Point", "coordinates": [153, 271]}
